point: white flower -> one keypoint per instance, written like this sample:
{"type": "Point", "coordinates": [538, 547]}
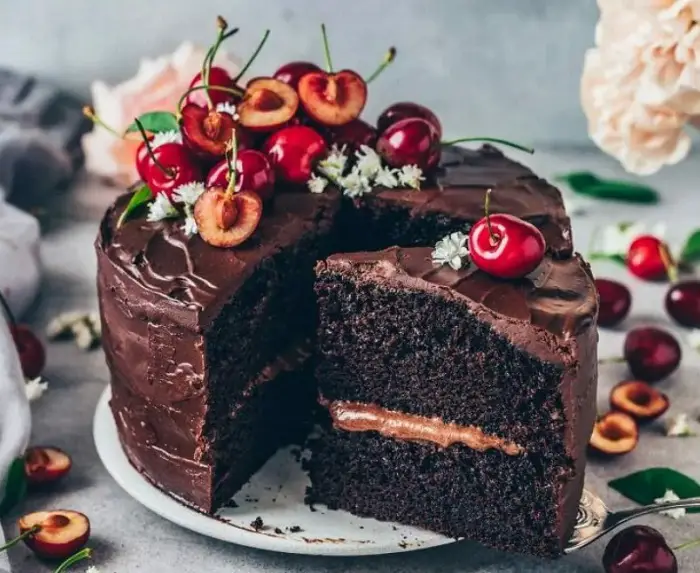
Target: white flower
{"type": "Point", "coordinates": [451, 250]}
{"type": "Point", "coordinates": [35, 389]}
{"type": "Point", "coordinates": [92, 569]}
{"type": "Point", "coordinates": [678, 426]}
{"type": "Point", "coordinates": [188, 193]}
{"type": "Point", "coordinates": [161, 208]}
{"type": "Point", "coordinates": [411, 176]}
{"type": "Point", "coordinates": [616, 239]}
{"type": "Point", "coordinates": [670, 495]}
{"type": "Point", "coordinates": [368, 161]}
{"type": "Point", "coordinates": [387, 178]}
{"type": "Point", "coordinates": [317, 184]}
{"type": "Point", "coordinates": [226, 107]}
{"type": "Point", "coordinates": [694, 339]}
{"type": "Point", "coordinates": [172, 136]}
{"type": "Point", "coordinates": [333, 166]}
{"type": "Point", "coordinates": [190, 228]}
{"type": "Point", "coordinates": [355, 184]}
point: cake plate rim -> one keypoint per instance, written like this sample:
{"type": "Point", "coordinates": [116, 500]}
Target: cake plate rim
{"type": "Point", "coordinates": [399, 538]}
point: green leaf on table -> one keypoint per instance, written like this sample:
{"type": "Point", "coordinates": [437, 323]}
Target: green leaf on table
{"type": "Point", "coordinates": [645, 486]}
{"type": "Point", "coordinates": [155, 122]}
{"type": "Point", "coordinates": [586, 183]}
{"type": "Point", "coordinates": [140, 197]}
{"type": "Point", "coordinates": [691, 250]}
{"type": "Point", "coordinates": [15, 486]}
{"type": "Point", "coordinates": [619, 259]}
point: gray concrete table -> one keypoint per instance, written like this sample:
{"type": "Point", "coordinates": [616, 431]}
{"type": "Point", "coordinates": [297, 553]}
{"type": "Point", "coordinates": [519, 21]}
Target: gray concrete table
{"type": "Point", "coordinates": [128, 538]}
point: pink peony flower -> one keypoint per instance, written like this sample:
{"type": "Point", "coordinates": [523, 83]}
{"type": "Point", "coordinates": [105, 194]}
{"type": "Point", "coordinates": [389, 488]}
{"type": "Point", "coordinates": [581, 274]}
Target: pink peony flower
{"type": "Point", "coordinates": [157, 85]}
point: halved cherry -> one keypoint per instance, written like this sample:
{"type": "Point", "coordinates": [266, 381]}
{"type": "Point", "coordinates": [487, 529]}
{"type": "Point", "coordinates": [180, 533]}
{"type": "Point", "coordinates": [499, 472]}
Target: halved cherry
{"type": "Point", "coordinates": [638, 399]}
{"type": "Point", "coordinates": [333, 99]}
{"type": "Point", "coordinates": [614, 433]}
{"type": "Point", "coordinates": [44, 465]}
{"type": "Point", "coordinates": [208, 132]}
{"type": "Point", "coordinates": [226, 220]}
{"type": "Point", "coordinates": [58, 534]}
{"type": "Point", "coordinates": [267, 104]}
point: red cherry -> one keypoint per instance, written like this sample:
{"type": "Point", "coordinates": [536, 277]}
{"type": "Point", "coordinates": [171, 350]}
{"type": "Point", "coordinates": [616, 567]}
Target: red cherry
{"type": "Point", "coordinates": [403, 110]}
{"type": "Point", "coordinates": [683, 303]}
{"type": "Point", "coordinates": [178, 163]}
{"type": "Point", "coordinates": [253, 173]}
{"type": "Point", "coordinates": [615, 302]}
{"type": "Point", "coordinates": [32, 355]}
{"type": "Point", "coordinates": [293, 152]}
{"type": "Point", "coordinates": [645, 258]}
{"type": "Point", "coordinates": [353, 134]}
{"type": "Point", "coordinates": [410, 141]}
{"type": "Point", "coordinates": [651, 353]}
{"type": "Point", "coordinates": [639, 549]}
{"type": "Point", "coordinates": [143, 160]}
{"type": "Point", "coordinates": [292, 72]}
{"type": "Point", "coordinates": [217, 77]}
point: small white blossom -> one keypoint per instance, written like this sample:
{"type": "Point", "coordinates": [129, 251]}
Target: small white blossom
{"type": "Point", "coordinates": [411, 176]}
{"type": "Point", "coordinates": [35, 389]}
{"type": "Point", "coordinates": [355, 184]}
{"type": "Point", "coordinates": [317, 184]}
{"type": "Point", "coordinates": [678, 426]}
{"type": "Point", "coordinates": [226, 107]}
{"type": "Point", "coordinates": [368, 161]}
{"type": "Point", "coordinates": [451, 250]}
{"type": "Point", "coordinates": [333, 166]}
{"type": "Point", "coordinates": [694, 339]}
{"type": "Point", "coordinates": [188, 193]}
{"type": "Point", "coordinates": [190, 227]}
{"type": "Point", "coordinates": [670, 495]}
{"type": "Point", "coordinates": [387, 178]}
{"type": "Point", "coordinates": [92, 569]}
{"type": "Point", "coordinates": [172, 136]}
{"type": "Point", "coordinates": [161, 208]}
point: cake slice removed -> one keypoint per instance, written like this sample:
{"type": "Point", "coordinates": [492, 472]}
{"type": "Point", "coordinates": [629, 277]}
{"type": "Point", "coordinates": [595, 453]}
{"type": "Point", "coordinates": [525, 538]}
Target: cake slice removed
{"type": "Point", "coordinates": [456, 402]}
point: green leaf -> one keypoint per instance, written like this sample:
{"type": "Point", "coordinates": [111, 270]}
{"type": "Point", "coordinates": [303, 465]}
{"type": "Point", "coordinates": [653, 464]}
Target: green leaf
{"type": "Point", "coordinates": [691, 249]}
{"type": "Point", "coordinates": [15, 486]}
{"type": "Point", "coordinates": [156, 122]}
{"type": "Point", "coordinates": [140, 197]}
{"type": "Point", "coordinates": [586, 183]}
{"type": "Point", "coordinates": [645, 486]}
{"type": "Point", "coordinates": [620, 259]}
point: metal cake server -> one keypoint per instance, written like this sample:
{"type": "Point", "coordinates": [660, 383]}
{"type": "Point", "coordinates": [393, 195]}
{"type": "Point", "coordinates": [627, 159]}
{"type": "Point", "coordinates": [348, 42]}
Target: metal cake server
{"type": "Point", "coordinates": [594, 519]}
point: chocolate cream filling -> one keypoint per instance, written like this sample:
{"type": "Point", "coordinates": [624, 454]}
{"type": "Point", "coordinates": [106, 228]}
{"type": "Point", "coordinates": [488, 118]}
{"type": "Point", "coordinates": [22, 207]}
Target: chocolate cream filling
{"type": "Point", "coordinates": [357, 417]}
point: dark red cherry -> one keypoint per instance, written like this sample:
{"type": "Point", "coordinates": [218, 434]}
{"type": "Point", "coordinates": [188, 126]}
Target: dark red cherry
{"type": "Point", "coordinates": [403, 110]}
{"type": "Point", "coordinates": [645, 258]}
{"type": "Point", "coordinates": [683, 303]}
{"type": "Point", "coordinates": [410, 141]}
{"type": "Point", "coordinates": [217, 77]}
{"type": "Point", "coordinates": [505, 246]}
{"type": "Point", "coordinates": [294, 151]}
{"type": "Point", "coordinates": [615, 302]}
{"type": "Point", "coordinates": [639, 549]}
{"type": "Point", "coordinates": [143, 159]}
{"type": "Point", "coordinates": [353, 134]}
{"type": "Point", "coordinates": [651, 353]}
{"type": "Point", "coordinates": [179, 166]}
{"type": "Point", "coordinates": [253, 173]}
{"type": "Point", "coordinates": [292, 72]}
{"type": "Point", "coordinates": [32, 355]}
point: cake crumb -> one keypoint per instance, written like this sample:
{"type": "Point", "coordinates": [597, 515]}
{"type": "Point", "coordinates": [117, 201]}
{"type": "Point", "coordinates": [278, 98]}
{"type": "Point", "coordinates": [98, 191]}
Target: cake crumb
{"type": "Point", "coordinates": [295, 529]}
{"type": "Point", "coordinates": [278, 531]}
{"type": "Point", "coordinates": [257, 523]}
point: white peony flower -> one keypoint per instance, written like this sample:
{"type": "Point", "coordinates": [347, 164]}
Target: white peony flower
{"type": "Point", "coordinates": [190, 227]}
{"type": "Point", "coordinates": [368, 161]}
{"type": "Point", "coordinates": [678, 426]}
{"type": "Point", "coordinates": [35, 388]}
{"type": "Point", "coordinates": [334, 165]}
{"type": "Point", "coordinates": [411, 176]}
{"type": "Point", "coordinates": [451, 250]}
{"type": "Point", "coordinates": [670, 495]}
{"type": "Point", "coordinates": [355, 184]}
{"type": "Point", "coordinates": [387, 177]}
{"type": "Point", "coordinates": [317, 184]}
{"type": "Point", "coordinates": [188, 193]}
{"type": "Point", "coordinates": [172, 136]}
{"type": "Point", "coordinates": [161, 208]}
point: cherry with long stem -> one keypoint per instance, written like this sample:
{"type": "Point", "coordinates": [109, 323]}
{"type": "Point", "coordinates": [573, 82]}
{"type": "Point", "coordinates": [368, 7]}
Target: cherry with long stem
{"type": "Point", "coordinates": [208, 62]}
{"type": "Point", "coordinates": [149, 149]}
{"type": "Point", "coordinates": [529, 150]}
{"type": "Point", "coordinates": [12, 542]}
{"type": "Point", "coordinates": [326, 50]}
{"type": "Point", "coordinates": [389, 57]}
{"type": "Point", "coordinates": [252, 58]}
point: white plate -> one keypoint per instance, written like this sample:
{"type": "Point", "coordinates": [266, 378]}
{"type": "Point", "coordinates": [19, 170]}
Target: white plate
{"type": "Point", "coordinates": [276, 494]}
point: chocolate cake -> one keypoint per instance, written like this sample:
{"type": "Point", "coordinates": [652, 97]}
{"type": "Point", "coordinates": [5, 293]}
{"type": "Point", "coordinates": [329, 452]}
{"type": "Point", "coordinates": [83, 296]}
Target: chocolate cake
{"type": "Point", "coordinates": [456, 401]}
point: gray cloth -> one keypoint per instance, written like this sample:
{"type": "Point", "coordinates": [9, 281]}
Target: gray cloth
{"type": "Point", "coordinates": [40, 131]}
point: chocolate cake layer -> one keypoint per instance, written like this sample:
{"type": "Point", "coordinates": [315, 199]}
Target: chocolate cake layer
{"type": "Point", "coordinates": [454, 200]}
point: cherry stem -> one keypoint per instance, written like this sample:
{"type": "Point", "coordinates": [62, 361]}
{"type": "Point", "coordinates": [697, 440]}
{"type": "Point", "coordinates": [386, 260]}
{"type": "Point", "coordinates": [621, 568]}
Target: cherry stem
{"type": "Point", "coordinates": [7, 310]}
{"type": "Point", "coordinates": [222, 25]}
{"type": "Point", "coordinates": [211, 52]}
{"type": "Point", "coordinates": [326, 50]}
{"type": "Point", "coordinates": [89, 112]}
{"type": "Point", "coordinates": [252, 57]}
{"type": "Point", "coordinates": [612, 360]}
{"type": "Point", "coordinates": [234, 91]}
{"type": "Point", "coordinates": [490, 140]}
{"type": "Point", "coordinates": [16, 540]}
{"type": "Point", "coordinates": [389, 57]}
{"type": "Point", "coordinates": [232, 167]}
{"type": "Point", "coordinates": [149, 149]}
{"type": "Point", "coordinates": [669, 264]}
{"type": "Point", "coordinates": [688, 545]}
{"type": "Point", "coordinates": [73, 559]}
{"type": "Point", "coordinates": [487, 204]}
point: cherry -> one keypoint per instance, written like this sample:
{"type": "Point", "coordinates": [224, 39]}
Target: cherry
{"type": "Point", "coordinates": [143, 159]}
{"type": "Point", "coordinates": [615, 302]}
{"type": "Point", "coordinates": [638, 399]}
{"type": "Point", "coordinates": [639, 549]}
{"type": "Point", "coordinates": [410, 141]}
{"type": "Point", "coordinates": [683, 303]}
{"type": "Point", "coordinates": [217, 77]}
{"type": "Point", "coordinates": [403, 110]}
{"type": "Point", "coordinates": [253, 173]}
{"type": "Point", "coordinates": [32, 356]}
{"type": "Point", "coordinates": [171, 166]}
{"type": "Point", "coordinates": [207, 132]}
{"type": "Point", "coordinates": [267, 105]}
{"type": "Point", "coordinates": [293, 152]}
{"type": "Point", "coordinates": [614, 434]}
{"type": "Point", "coordinates": [505, 246]}
{"type": "Point", "coordinates": [648, 258]}
{"type": "Point", "coordinates": [56, 534]}
{"type": "Point", "coordinates": [651, 353]}
{"type": "Point", "coordinates": [292, 72]}
{"type": "Point", "coordinates": [353, 134]}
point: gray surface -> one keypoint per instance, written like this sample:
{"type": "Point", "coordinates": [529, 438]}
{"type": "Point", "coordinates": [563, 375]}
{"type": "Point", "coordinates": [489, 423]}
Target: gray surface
{"type": "Point", "coordinates": [469, 60]}
{"type": "Point", "coordinates": [128, 538]}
